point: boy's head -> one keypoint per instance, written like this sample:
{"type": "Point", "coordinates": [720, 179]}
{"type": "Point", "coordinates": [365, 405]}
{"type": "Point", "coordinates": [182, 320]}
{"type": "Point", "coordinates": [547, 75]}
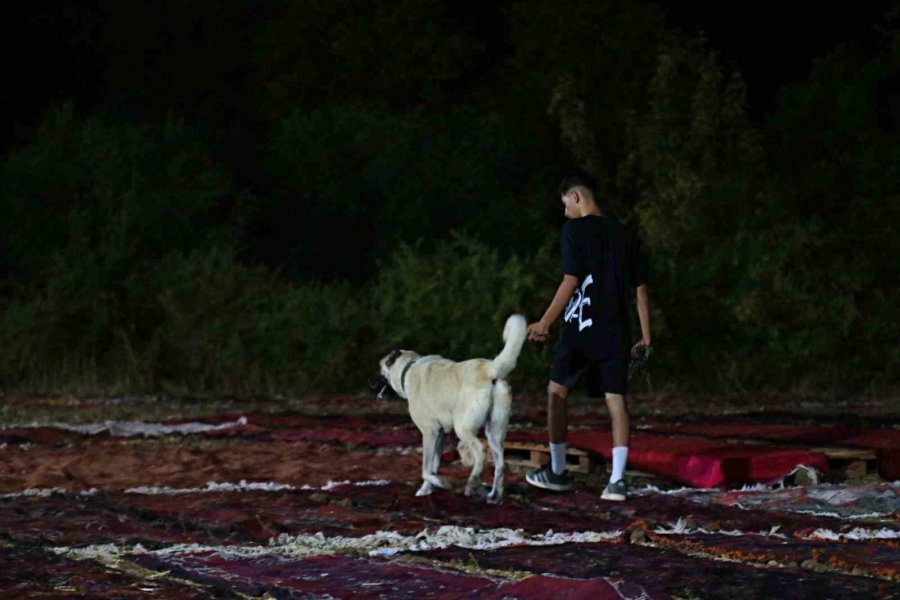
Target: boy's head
{"type": "Point", "coordinates": [578, 193]}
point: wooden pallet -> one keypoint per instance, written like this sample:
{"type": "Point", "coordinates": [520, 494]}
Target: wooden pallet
{"type": "Point", "coordinates": [852, 463]}
{"type": "Point", "coordinates": [529, 454]}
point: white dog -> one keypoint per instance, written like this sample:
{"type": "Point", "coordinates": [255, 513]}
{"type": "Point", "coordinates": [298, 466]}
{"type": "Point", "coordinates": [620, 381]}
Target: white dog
{"type": "Point", "coordinates": [464, 396]}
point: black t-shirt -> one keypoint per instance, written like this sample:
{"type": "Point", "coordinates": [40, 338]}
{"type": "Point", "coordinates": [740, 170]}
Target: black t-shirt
{"type": "Point", "coordinates": [608, 262]}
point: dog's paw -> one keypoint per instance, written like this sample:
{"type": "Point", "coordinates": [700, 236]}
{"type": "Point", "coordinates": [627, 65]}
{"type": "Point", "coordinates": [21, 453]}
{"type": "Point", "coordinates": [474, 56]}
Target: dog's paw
{"type": "Point", "coordinates": [495, 497]}
{"type": "Point", "coordinates": [478, 490]}
{"type": "Point", "coordinates": [425, 490]}
{"type": "Point", "coordinates": [441, 482]}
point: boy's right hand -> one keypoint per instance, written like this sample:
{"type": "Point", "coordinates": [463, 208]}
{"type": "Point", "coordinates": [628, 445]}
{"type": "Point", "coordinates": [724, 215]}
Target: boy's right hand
{"type": "Point", "coordinates": [538, 332]}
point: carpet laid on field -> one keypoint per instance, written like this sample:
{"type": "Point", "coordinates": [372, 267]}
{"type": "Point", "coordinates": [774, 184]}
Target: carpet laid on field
{"type": "Point", "coordinates": [316, 505]}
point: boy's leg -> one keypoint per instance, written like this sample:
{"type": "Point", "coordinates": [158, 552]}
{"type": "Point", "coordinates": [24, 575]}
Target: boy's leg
{"type": "Point", "coordinates": [618, 413]}
{"type": "Point", "coordinates": [615, 386]}
{"type": "Point", "coordinates": [564, 373]}
{"type": "Point", "coordinates": [554, 477]}
{"type": "Point", "coordinates": [557, 425]}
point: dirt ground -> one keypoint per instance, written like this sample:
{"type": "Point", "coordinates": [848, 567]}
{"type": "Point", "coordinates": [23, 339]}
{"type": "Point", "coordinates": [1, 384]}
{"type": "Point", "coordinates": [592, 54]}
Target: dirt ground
{"type": "Point", "coordinates": [315, 498]}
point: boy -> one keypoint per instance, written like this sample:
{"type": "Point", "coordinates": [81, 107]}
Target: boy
{"type": "Point", "coordinates": [602, 262]}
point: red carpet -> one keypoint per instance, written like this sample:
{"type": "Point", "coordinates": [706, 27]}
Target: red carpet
{"type": "Point", "coordinates": [695, 461]}
{"type": "Point", "coordinates": [885, 442]}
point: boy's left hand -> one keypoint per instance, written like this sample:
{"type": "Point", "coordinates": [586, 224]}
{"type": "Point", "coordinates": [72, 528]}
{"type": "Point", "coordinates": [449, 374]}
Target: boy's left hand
{"type": "Point", "coordinates": [538, 332]}
{"type": "Point", "coordinates": [640, 348]}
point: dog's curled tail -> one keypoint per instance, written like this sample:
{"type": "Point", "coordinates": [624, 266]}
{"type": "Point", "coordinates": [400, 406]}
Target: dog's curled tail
{"type": "Point", "coordinates": [514, 337]}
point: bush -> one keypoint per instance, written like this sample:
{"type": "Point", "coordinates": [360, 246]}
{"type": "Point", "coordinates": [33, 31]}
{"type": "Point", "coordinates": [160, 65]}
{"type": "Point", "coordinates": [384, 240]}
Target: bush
{"type": "Point", "coordinates": [376, 178]}
{"type": "Point", "coordinates": [197, 323]}
{"type": "Point", "coordinates": [115, 194]}
{"type": "Point", "coordinates": [87, 208]}
{"type": "Point", "coordinates": [454, 301]}
{"type": "Point", "coordinates": [226, 327]}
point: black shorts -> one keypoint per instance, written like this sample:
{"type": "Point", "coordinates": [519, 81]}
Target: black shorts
{"type": "Point", "coordinates": [602, 376]}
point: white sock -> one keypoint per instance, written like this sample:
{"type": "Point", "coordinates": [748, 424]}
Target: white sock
{"type": "Point", "coordinates": [558, 458]}
{"type": "Point", "coordinates": [620, 457]}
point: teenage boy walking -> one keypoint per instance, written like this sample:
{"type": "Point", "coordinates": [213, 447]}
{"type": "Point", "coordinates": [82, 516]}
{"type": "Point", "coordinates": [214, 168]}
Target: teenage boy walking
{"type": "Point", "coordinates": [602, 264]}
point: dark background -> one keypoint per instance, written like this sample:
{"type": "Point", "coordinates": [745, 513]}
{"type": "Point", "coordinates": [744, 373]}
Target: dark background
{"type": "Point", "coordinates": [213, 196]}
{"type": "Point", "coordinates": [96, 52]}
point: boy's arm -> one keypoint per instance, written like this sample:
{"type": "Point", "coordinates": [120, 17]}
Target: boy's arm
{"type": "Point", "coordinates": [538, 331]}
{"type": "Point", "coordinates": [643, 310]}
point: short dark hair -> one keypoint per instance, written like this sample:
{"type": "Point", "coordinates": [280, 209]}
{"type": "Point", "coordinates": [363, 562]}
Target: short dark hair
{"type": "Point", "coordinates": [579, 179]}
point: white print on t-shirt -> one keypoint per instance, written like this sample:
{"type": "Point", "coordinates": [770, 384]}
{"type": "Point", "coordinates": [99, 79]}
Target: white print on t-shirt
{"type": "Point", "coordinates": [577, 303]}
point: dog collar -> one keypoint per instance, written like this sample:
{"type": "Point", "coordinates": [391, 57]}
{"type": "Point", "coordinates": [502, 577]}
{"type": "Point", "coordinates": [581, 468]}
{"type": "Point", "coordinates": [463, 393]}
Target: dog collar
{"type": "Point", "coordinates": [403, 374]}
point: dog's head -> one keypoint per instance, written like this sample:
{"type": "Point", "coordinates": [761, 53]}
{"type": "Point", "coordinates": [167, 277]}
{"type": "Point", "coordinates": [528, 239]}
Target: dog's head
{"type": "Point", "coordinates": [391, 367]}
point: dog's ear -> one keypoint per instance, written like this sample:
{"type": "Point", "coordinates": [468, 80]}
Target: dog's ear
{"type": "Point", "coordinates": [392, 357]}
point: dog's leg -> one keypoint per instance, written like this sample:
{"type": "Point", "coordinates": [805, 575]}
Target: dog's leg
{"type": "Point", "coordinates": [437, 445]}
{"type": "Point", "coordinates": [495, 441]}
{"type": "Point", "coordinates": [438, 449]}
{"type": "Point", "coordinates": [466, 423]}
{"type": "Point", "coordinates": [431, 460]}
{"type": "Point", "coordinates": [476, 449]}
{"type": "Point", "coordinates": [427, 449]}
{"type": "Point", "coordinates": [495, 430]}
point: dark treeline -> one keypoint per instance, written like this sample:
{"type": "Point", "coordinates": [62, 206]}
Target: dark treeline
{"type": "Point", "coordinates": [263, 197]}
